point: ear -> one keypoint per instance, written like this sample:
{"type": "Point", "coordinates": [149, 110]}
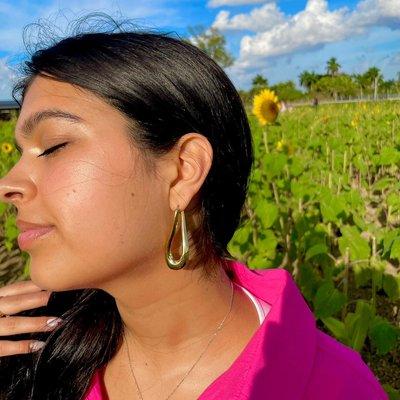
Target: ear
{"type": "Point", "coordinates": [192, 161]}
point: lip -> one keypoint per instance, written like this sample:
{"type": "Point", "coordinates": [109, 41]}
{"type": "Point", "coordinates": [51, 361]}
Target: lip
{"type": "Point", "coordinates": [30, 236]}
{"type": "Point", "coordinates": [25, 225]}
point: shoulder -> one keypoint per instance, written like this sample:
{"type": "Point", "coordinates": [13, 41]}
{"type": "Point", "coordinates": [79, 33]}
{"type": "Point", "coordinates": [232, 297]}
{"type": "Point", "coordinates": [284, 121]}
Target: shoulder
{"type": "Point", "coordinates": [339, 372]}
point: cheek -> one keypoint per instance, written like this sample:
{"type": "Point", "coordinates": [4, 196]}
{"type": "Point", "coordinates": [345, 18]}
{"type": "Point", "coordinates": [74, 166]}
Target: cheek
{"type": "Point", "coordinates": [86, 198]}
{"type": "Point", "coordinates": [106, 220]}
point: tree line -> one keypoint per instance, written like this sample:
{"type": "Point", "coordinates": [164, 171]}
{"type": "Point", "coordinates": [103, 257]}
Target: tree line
{"type": "Point", "coordinates": [334, 84]}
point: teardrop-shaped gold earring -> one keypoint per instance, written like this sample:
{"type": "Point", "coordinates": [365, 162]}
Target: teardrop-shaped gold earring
{"type": "Point", "coordinates": [171, 262]}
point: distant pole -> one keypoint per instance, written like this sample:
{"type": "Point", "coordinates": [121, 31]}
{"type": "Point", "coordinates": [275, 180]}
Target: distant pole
{"type": "Point", "coordinates": [375, 88]}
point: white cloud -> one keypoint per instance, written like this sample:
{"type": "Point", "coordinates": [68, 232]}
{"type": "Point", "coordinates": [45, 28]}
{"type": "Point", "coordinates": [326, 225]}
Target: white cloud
{"type": "Point", "coordinates": [258, 20]}
{"type": "Point", "coordinates": [7, 77]}
{"type": "Point", "coordinates": [310, 28]}
{"type": "Point", "coordinates": [377, 13]}
{"type": "Point", "coordinates": [220, 3]}
{"type": "Point", "coordinates": [278, 37]}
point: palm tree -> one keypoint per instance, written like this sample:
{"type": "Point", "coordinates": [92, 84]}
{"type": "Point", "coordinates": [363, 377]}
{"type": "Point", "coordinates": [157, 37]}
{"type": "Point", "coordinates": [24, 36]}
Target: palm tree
{"type": "Point", "coordinates": [374, 77]}
{"type": "Point", "coordinates": [308, 79]}
{"type": "Point", "coordinates": [259, 82]}
{"type": "Point", "coordinates": [361, 82]}
{"type": "Point", "coordinates": [332, 66]}
{"type": "Point", "coordinates": [388, 86]}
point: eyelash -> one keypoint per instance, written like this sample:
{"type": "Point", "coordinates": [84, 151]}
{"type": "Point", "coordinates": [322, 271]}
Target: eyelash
{"type": "Point", "coordinates": [53, 149]}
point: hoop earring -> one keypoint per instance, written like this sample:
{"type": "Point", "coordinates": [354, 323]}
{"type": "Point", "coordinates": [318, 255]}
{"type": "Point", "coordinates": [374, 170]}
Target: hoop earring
{"type": "Point", "coordinates": [171, 262]}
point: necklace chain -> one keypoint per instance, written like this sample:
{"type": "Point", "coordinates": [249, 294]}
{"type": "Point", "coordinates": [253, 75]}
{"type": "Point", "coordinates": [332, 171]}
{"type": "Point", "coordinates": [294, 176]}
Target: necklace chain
{"type": "Point", "coordinates": [187, 373]}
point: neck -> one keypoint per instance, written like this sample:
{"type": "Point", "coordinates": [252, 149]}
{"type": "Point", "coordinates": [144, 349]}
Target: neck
{"type": "Point", "coordinates": [167, 310]}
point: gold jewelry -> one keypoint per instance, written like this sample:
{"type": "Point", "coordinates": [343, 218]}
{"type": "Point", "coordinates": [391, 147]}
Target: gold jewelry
{"type": "Point", "coordinates": [187, 373]}
{"type": "Point", "coordinates": [178, 264]}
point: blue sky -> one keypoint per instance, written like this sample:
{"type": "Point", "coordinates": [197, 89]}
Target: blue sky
{"type": "Point", "coordinates": [278, 39]}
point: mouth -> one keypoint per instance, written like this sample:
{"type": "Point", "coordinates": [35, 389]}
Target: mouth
{"type": "Point", "coordinates": [29, 237]}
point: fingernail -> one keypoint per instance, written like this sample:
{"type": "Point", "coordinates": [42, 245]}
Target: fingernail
{"type": "Point", "coordinates": [53, 322]}
{"type": "Point", "coordinates": [35, 346]}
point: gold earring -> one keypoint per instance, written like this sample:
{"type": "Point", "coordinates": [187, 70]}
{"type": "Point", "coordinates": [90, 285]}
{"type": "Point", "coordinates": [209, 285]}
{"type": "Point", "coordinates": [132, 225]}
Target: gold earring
{"type": "Point", "coordinates": [178, 264]}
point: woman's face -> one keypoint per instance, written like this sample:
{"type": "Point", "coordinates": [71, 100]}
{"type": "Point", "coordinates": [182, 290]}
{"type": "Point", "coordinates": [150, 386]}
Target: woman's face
{"type": "Point", "coordinates": [107, 212]}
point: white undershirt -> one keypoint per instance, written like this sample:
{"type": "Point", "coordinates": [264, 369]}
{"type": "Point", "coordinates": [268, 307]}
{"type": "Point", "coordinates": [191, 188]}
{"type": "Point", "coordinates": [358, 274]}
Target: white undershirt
{"type": "Point", "coordinates": [262, 307]}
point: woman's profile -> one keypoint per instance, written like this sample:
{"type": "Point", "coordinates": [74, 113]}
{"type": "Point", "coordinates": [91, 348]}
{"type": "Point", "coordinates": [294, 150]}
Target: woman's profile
{"type": "Point", "coordinates": [136, 153]}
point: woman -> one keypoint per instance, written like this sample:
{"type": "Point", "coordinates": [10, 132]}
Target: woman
{"type": "Point", "coordinates": [136, 154]}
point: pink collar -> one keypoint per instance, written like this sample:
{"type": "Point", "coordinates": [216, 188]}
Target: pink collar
{"type": "Point", "coordinates": [278, 359]}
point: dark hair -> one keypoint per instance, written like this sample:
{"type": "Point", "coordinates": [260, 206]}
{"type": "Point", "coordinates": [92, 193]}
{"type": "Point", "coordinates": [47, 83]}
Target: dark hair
{"type": "Point", "coordinates": [166, 87]}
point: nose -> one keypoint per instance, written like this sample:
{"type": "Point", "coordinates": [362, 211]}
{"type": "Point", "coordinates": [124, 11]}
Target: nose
{"type": "Point", "coordinates": [12, 190]}
{"type": "Point", "coordinates": [10, 193]}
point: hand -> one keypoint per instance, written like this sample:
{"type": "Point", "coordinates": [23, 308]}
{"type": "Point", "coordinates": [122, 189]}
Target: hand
{"type": "Point", "coordinates": [20, 296]}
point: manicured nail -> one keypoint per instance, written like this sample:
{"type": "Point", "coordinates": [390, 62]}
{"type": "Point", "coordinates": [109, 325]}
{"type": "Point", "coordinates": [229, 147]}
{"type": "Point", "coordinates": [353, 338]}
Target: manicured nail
{"type": "Point", "coordinates": [53, 322]}
{"type": "Point", "coordinates": [35, 346]}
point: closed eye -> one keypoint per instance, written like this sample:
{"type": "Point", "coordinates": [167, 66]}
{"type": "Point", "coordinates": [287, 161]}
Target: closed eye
{"type": "Point", "coordinates": [53, 149]}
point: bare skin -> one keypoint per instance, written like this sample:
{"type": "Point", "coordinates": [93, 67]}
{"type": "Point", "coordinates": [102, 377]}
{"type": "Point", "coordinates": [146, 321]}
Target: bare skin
{"type": "Point", "coordinates": [14, 298]}
{"type": "Point", "coordinates": [112, 220]}
{"type": "Point", "coordinates": [158, 373]}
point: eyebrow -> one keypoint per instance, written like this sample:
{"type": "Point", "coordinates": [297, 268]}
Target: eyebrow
{"type": "Point", "coordinates": [33, 120]}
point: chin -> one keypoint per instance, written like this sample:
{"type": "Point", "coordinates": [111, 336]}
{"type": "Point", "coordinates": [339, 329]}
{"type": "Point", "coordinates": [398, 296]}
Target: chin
{"type": "Point", "coordinates": [53, 282]}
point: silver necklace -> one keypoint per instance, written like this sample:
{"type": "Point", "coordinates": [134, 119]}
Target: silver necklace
{"type": "Point", "coordinates": [187, 373]}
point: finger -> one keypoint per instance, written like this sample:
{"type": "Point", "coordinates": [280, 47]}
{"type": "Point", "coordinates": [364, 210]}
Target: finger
{"type": "Point", "coordinates": [17, 325]}
{"type": "Point", "coordinates": [14, 304]}
{"type": "Point", "coordinates": [20, 287]}
{"type": "Point", "coordinates": [12, 347]}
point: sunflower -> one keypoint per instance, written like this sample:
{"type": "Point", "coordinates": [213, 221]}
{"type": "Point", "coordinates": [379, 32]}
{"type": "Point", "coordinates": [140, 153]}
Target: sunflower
{"type": "Point", "coordinates": [284, 146]}
{"type": "Point", "coordinates": [266, 106]}
{"type": "Point", "coordinates": [6, 147]}
{"type": "Point", "coordinates": [280, 144]}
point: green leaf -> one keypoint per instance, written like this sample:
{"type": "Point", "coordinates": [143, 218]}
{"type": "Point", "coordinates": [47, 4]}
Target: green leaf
{"type": "Point", "coordinates": [362, 274]}
{"type": "Point", "coordinates": [388, 239]}
{"type": "Point", "coordinates": [296, 166]}
{"type": "Point", "coordinates": [328, 300]}
{"type": "Point", "coordinates": [391, 391]}
{"type": "Point", "coordinates": [267, 213]}
{"type": "Point", "coordinates": [391, 286]}
{"type": "Point", "coordinates": [377, 269]}
{"type": "Point", "coordinates": [274, 164]}
{"type": "Point", "coordinates": [320, 248]}
{"type": "Point", "coordinates": [359, 163]}
{"type": "Point", "coordinates": [336, 326]}
{"type": "Point", "coordinates": [359, 248]}
{"type": "Point", "coordinates": [332, 207]}
{"type": "Point", "coordinates": [10, 228]}
{"type": "Point", "coordinates": [242, 239]}
{"type": "Point", "coordinates": [363, 317]}
{"type": "Point", "coordinates": [354, 199]}
{"type": "Point", "coordinates": [257, 261]}
{"type": "Point", "coordinates": [267, 243]}
{"type": "Point", "coordinates": [393, 200]}
{"type": "Point", "coordinates": [387, 156]}
{"type": "Point", "coordinates": [383, 335]}
{"type": "Point", "coordinates": [3, 208]}
{"type": "Point", "coordinates": [383, 184]}
{"type": "Point", "coordinates": [308, 281]}
{"type": "Point", "coordinates": [395, 249]}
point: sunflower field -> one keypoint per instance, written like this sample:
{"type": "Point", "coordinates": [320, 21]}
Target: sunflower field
{"type": "Point", "coordinates": [324, 203]}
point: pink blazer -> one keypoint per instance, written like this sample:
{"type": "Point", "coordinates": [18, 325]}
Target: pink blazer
{"type": "Point", "coordinates": [288, 357]}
